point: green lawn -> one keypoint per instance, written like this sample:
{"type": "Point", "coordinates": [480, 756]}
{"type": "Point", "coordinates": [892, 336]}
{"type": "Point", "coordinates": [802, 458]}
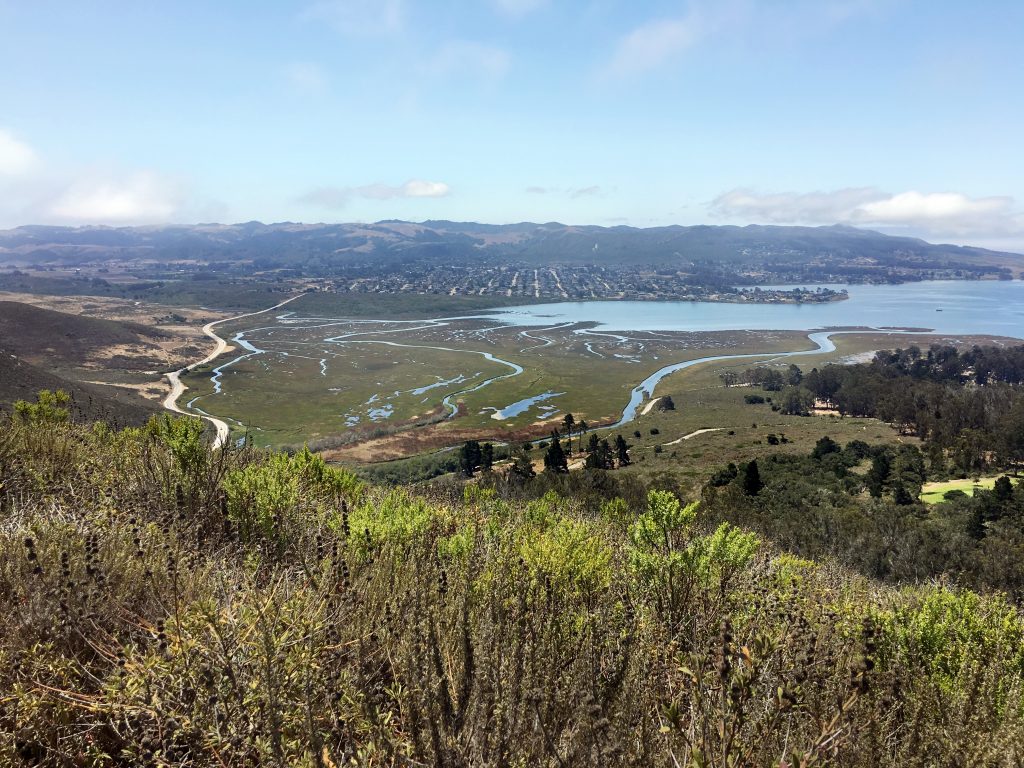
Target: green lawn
{"type": "Point", "coordinates": [933, 493]}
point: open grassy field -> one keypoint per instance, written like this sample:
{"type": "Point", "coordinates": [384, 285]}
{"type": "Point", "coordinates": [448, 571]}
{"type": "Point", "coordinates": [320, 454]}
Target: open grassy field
{"type": "Point", "coordinates": [712, 425]}
{"type": "Point", "coordinates": [933, 493]}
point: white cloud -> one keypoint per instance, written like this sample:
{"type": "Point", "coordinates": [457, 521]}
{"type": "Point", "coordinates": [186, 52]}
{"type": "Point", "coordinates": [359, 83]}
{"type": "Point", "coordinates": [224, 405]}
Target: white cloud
{"type": "Point", "coordinates": [31, 191]}
{"type": "Point", "coordinates": [339, 197]}
{"type": "Point", "coordinates": [518, 8]}
{"type": "Point", "coordinates": [652, 44]}
{"type": "Point", "coordinates": [592, 191]}
{"type": "Point", "coordinates": [327, 197]}
{"type": "Point", "coordinates": [419, 188]}
{"type": "Point", "coordinates": [142, 197]}
{"type": "Point", "coordinates": [930, 214]}
{"type": "Point", "coordinates": [308, 78]}
{"type": "Point", "coordinates": [411, 188]}
{"type": "Point", "coordinates": [359, 17]}
{"type": "Point", "coordinates": [936, 206]}
{"type": "Point", "coordinates": [466, 57]}
{"type": "Point", "coordinates": [791, 207]}
{"type": "Point", "coordinates": [16, 157]}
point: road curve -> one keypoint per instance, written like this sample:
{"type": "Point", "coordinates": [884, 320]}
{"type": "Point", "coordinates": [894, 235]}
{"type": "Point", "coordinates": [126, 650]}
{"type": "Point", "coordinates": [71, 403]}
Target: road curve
{"type": "Point", "coordinates": [178, 387]}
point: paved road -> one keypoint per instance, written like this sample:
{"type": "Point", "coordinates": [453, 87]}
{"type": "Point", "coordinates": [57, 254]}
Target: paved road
{"type": "Point", "coordinates": [178, 387]}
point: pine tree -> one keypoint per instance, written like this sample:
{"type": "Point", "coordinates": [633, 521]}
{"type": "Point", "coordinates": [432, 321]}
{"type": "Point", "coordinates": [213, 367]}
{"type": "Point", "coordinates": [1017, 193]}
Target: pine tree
{"type": "Point", "coordinates": [469, 457]}
{"type": "Point", "coordinates": [486, 457]}
{"type": "Point", "coordinates": [522, 468]}
{"type": "Point", "coordinates": [622, 451]}
{"type": "Point", "coordinates": [570, 423]}
{"type": "Point", "coordinates": [601, 455]}
{"type": "Point", "coordinates": [554, 460]}
{"type": "Point", "coordinates": [878, 474]}
{"type": "Point", "coordinates": [752, 484]}
{"type": "Point", "coordinates": [901, 496]}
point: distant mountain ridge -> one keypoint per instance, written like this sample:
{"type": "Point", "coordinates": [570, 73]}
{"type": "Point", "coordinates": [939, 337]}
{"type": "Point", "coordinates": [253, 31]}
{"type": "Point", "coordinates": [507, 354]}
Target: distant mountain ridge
{"type": "Point", "coordinates": [393, 241]}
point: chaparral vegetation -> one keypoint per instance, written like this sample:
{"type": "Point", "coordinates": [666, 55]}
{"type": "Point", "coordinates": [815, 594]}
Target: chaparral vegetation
{"type": "Point", "coordinates": [165, 604]}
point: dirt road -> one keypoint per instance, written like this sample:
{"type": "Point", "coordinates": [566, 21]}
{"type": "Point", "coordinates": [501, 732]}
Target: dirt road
{"type": "Point", "coordinates": [221, 346]}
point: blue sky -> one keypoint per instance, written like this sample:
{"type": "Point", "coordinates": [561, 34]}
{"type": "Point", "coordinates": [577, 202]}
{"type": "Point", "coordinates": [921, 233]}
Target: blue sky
{"type": "Point", "coordinates": [899, 115]}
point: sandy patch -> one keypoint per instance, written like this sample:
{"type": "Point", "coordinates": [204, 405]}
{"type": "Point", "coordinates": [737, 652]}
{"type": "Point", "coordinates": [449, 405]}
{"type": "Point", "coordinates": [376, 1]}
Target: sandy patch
{"type": "Point", "coordinates": [649, 406]}
{"type": "Point", "coordinates": [694, 434]}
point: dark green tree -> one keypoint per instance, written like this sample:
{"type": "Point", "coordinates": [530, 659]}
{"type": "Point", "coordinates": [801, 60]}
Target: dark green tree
{"type": "Point", "coordinates": [796, 401]}
{"type": "Point", "coordinates": [601, 457]}
{"type": "Point", "coordinates": [878, 474]}
{"type": "Point", "coordinates": [622, 451]}
{"type": "Point", "coordinates": [521, 469]}
{"type": "Point", "coordinates": [825, 446]}
{"type": "Point", "coordinates": [570, 423]}
{"type": "Point", "coordinates": [901, 495]}
{"type": "Point", "coordinates": [752, 483]}
{"type": "Point", "coordinates": [486, 457]}
{"type": "Point", "coordinates": [470, 456]}
{"type": "Point", "coordinates": [554, 460]}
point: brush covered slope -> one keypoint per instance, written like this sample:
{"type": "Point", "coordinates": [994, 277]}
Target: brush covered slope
{"type": "Point", "coordinates": [91, 358]}
{"type": "Point", "coordinates": [42, 334]}
{"type": "Point", "coordinates": [21, 380]}
{"type": "Point", "coordinates": [161, 604]}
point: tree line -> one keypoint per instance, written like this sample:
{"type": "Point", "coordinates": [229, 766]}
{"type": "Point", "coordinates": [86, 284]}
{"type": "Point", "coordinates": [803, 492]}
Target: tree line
{"type": "Point", "coordinates": [968, 406]}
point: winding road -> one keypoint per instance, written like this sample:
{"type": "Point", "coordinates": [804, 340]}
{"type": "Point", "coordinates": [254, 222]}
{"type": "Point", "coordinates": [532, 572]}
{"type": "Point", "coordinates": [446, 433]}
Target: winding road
{"type": "Point", "coordinates": [178, 387]}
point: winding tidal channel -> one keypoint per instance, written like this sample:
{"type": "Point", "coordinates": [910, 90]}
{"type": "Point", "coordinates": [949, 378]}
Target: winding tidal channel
{"type": "Point", "coordinates": [995, 308]}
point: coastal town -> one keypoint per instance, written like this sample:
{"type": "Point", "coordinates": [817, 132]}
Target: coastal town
{"type": "Point", "coordinates": [569, 283]}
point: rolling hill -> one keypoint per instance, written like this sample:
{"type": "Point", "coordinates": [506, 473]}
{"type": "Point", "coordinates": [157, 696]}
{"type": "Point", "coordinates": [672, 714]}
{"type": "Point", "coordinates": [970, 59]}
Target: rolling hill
{"type": "Point", "coordinates": [45, 349]}
{"type": "Point", "coordinates": [323, 245]}
{"type": "Point", "coordinates": [20, 380]}
{"type": "Point", "coordinates": [47, 336]}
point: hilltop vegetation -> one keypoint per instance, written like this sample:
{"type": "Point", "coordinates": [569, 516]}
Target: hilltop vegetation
{"type": "Point", "coordinates": [163, 604]}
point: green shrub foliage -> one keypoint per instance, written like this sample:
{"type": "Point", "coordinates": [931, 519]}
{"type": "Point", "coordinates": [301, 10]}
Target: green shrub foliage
{"type": "Point", "coordinates": [161, 604]}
